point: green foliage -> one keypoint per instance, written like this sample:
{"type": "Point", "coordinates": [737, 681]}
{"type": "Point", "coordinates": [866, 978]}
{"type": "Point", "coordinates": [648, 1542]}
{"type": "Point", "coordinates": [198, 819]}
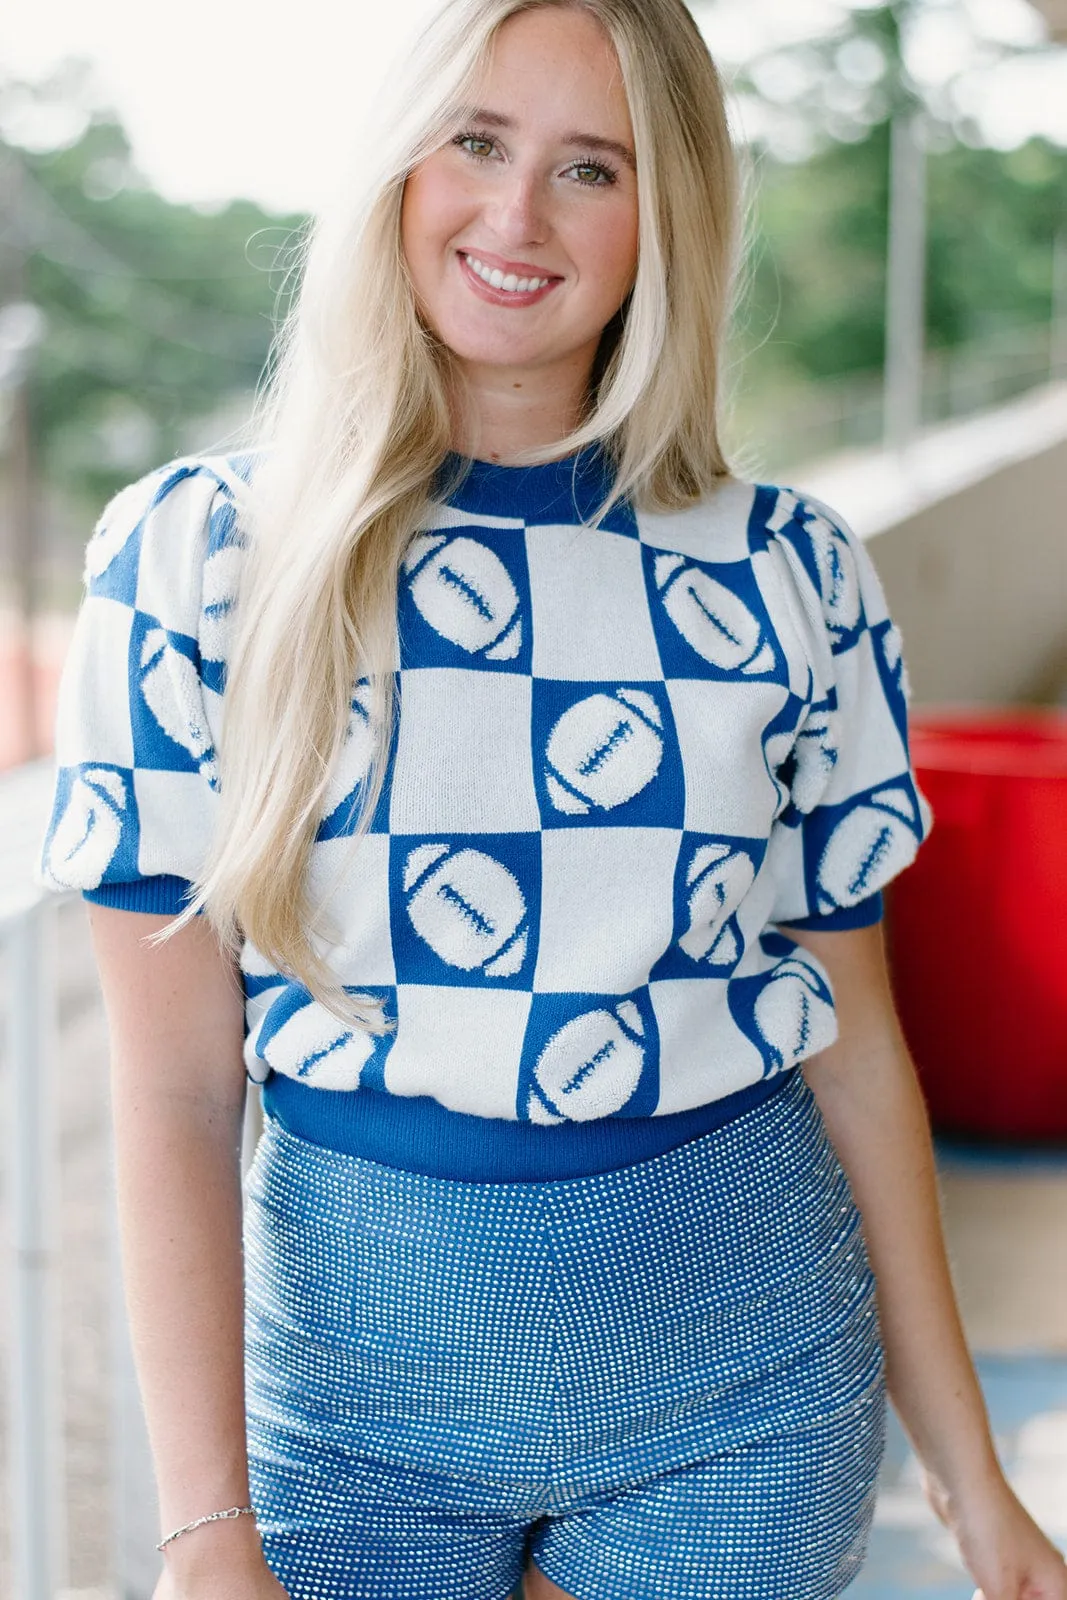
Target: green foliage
{"type": "Point", "coordinates": [155, 313]}
{"type": "Point", "coordinates": [160, 314]}
{"type": "Point", "coordinates": [818, 289]}
{"type": "Point", "coordinates": [815, 309]}
{"type": "Point", "coordinates": [816, 304]}
{"type": "Point", "coordinates": [994, 217]}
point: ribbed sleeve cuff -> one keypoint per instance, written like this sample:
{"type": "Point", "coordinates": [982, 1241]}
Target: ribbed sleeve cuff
{"type": "Point", "coordinates": [165, 895]}
{"type": "Point", "coordinates": [862, 915]}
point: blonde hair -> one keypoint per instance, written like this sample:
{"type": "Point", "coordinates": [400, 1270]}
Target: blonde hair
{"type": "Point", "coordinates": [357, 420]}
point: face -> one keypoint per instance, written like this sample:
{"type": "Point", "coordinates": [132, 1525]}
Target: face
{"type": "Point", "coordinates": [520, 233]}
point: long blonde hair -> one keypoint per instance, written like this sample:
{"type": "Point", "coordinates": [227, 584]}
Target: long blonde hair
{"type": "Point", "coordinates": [357, 423]}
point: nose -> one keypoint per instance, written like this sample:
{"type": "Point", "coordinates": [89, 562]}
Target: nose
{"type": "Point", "coordinates": [519, 213]}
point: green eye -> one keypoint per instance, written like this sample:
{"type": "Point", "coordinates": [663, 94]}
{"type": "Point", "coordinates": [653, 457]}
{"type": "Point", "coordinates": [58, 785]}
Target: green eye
{"type": "Point", "coordinates": [475, 144]}
{"type": "Point", "coordinates": [593, 174]}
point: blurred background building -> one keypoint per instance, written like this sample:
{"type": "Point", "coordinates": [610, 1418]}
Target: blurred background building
{"type": "Point", "coordinates": [900, 348]}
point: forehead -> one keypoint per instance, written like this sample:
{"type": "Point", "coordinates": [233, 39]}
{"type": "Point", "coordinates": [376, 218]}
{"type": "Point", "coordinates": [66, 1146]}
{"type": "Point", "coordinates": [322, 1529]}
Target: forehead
{"type": "Point", "coordinates": [555, 67]}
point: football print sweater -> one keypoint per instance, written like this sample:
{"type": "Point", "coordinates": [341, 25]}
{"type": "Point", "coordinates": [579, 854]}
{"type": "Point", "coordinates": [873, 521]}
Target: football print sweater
{"type": "Point", "coordinates": [627, 758]}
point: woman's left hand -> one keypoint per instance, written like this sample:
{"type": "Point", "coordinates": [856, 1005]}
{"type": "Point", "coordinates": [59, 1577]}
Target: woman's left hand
{"type": "Point", "coordinates": [870, 1101]}
{"type": "Point", "coordinates": [1002, 1546]}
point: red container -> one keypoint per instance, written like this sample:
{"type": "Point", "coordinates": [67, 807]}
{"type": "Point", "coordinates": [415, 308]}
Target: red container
{"type": "Point", "coordinates": [978, 926]}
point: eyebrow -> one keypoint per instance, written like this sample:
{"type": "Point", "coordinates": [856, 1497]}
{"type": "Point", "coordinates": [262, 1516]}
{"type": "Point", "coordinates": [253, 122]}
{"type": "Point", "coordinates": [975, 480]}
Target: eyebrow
{"type": "Point", "coordinates": [585, 141]}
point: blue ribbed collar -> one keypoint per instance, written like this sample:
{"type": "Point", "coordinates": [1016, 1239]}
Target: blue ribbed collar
{"type": "Point", "coordinates": [567, 491]}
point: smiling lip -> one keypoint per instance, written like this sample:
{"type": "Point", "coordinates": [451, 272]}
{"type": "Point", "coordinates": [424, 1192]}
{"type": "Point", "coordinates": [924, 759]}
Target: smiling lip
{"type": "Point", "coordinates": [517, 269]}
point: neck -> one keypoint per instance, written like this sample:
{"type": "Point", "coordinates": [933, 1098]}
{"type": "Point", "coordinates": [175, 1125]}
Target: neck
{"type": "Point", "coordinates": [503, 411]}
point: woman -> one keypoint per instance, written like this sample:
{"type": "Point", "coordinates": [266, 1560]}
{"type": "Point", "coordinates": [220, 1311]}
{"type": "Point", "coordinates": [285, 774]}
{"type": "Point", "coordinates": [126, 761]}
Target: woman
{"type": "Point", "coordinates": [551, 1263]}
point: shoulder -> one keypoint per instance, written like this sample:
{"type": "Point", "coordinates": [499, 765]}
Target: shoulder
{"type": "Point", "coordinates": [714, 529]}
{"type": "Point", "coordinates": [168, 549]}
{"type": "Point", "coordinates": [829, 562]}
{"type": "Point", "coordinates": [741, 517]}
{"type": "Point", "coordinates": [744, 521]}
{"type": "Point", "coordinates": [174, 515]}
{"type": "Point", "coordinates": [793, 560]}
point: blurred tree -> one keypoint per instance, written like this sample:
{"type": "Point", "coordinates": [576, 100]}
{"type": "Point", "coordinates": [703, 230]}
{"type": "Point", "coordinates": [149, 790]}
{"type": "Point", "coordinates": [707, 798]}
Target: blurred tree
{"type": "Point", "coordinates": [994, 219]}
{"type": "Point", "coordinates": [817, 297]}
{"type": "Point", "coordinates": [819, 113]}
{"type": "Point", "coordinates": [154, 313]}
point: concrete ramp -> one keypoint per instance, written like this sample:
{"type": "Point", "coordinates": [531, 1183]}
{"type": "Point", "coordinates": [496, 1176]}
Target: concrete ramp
{"type": "Point", "coordinates": [968, 529]}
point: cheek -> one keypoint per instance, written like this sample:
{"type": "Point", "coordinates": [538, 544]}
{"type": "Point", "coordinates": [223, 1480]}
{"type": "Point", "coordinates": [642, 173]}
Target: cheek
{"type": "Point", "coordinates": [618, 260]}
{"type": "Point", "coordinates": [415, 226]}
{"type": "Point", "coordinates": [429, 216]}
{"type": "Point", "coordinates": [613, 256]}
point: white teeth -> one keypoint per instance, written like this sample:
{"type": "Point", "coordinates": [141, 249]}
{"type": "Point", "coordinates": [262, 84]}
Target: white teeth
{"type": "Point", "coordinates": [509, 283]}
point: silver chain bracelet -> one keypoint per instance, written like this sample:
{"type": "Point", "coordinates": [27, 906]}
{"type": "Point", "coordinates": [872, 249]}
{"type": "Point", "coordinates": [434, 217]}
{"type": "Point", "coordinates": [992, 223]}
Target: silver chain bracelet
{"type": "Point", "coordinates": [212, 1516]}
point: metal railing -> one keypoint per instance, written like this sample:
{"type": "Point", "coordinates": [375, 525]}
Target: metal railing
{"type": "Point", "coordinates": [34, 929]}
{"type": "Point", "coordinates": [38, 1522]}
{"type": "Point", "coordinates": [817, 420]}
{"type": "Point", "coordinates": [27, 945]}
{"type": "Point", "coordinates": [37, 1488]}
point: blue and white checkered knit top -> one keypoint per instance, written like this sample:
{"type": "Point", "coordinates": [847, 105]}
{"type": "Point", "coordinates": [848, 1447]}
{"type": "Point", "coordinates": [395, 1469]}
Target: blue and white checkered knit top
{"type": "Point", "coordinates": [624, 755]}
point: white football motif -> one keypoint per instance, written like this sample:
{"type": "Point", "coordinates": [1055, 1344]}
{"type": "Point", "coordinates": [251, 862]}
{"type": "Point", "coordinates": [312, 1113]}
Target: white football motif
{"type": "Point", "coordinates": [468, 908]}
{"type": "Point", "coordinates": [171, 691]}
{"type": "Point", "coordinates": [784, 507]}
{"type": "Point", "coordinates": [870, 845]}
{"type": "Point", "coordinates": [893, 655]}
{"type": "Point", "coordinates": [112, 533]}
{"type": "Point", "coordinates": [88, 833]}
{"type": "Point", "coordinates": [717, 624]}
{"type": "Point", "coordinates": [353, 761]}
{"type": "Point", "coordinates": [314, 1046]}
{"type": "Point", "coordinates": [603, 751]}
{"type": "Point", "coordinates": [893, 648]}
{"type": "Point", "coordinates": [222, 574]}
{"type": "Point", "coordinates": [839, 577]}
{"type": "Point", "coordinates": [465, 593]}
{"type": "Point", "coordinates": [792, 1015]}
{"type": "Point", "coordinates": [590, 1067]}
{"type": "Point", "coordinates": [718, 879]}
{"type": "Point", "coordinates": [816, 757]}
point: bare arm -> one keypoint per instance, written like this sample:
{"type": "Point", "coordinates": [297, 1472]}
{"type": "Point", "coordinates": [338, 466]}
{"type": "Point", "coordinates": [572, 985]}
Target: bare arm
{"type": "Point", "coordinates": [175, 1019]}
{"type": "Point", "coordinates": [870, 1101]}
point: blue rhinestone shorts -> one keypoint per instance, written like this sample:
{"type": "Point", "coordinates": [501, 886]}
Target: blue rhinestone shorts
{"type": "Point", "coordinates": [663, 1382]}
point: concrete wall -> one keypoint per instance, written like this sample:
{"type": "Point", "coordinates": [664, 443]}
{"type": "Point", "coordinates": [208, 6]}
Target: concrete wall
{"type": "Point", "coordinates": [978, 586]}
{"type": "Point", "coordinates": [968, 529]}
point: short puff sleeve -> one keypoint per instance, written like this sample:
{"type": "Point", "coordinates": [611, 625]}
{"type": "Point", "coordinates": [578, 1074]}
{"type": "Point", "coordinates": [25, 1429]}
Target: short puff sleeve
{"type": "Point", "coordinates": [140, 696]}
{"type": "Point", "coordinates": [855, 816]}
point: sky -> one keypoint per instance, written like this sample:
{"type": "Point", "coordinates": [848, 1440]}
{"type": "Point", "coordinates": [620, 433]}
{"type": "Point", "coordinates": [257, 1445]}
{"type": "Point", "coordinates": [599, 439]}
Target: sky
{"type": "Point", "coordinates": [237, 99]}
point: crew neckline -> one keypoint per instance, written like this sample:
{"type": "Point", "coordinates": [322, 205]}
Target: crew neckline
{"type": "Point", "coordinates": [571, 488]}
{"type": "Point", "coordinates": [586, 456]}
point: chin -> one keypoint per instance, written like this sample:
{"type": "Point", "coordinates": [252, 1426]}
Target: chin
{"type": "Point", "coordinates": [498, 351]}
